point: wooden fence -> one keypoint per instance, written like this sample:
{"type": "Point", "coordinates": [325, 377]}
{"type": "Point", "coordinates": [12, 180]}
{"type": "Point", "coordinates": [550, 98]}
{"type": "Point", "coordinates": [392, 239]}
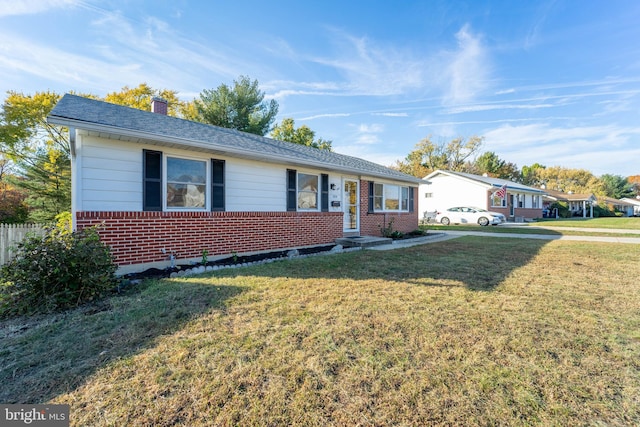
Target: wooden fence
{"type": "Point", "coordinates": [11, 235]}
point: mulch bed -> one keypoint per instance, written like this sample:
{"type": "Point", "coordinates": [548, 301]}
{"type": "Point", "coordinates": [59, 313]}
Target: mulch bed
{"type": "Point", "coordinates": [156, 273]}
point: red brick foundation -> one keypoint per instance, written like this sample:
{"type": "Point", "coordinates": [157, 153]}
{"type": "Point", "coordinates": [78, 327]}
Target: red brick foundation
{"type": "Point", "coordinates": [371, 224]}
{"type": "Point", "coordinates": [140, 237]}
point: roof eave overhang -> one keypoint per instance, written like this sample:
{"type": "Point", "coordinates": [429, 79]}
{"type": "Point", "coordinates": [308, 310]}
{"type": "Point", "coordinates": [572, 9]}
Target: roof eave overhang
{"type": "Point", "coordinates": [487, 185]}
{"type": "Point", "coordinates": [146, 137]}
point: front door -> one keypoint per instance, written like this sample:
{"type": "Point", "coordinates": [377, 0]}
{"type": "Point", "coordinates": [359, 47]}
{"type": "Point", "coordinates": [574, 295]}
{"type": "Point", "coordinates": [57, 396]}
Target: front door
{"type": "Point", "coordinates": [351, 205]}
{"type": "Point", "coordinates": [512, 206]}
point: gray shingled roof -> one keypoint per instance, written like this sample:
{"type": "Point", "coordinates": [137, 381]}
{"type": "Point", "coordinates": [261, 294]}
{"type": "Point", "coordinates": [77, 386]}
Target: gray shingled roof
{"type": "Point", "coordinates": [84, 113]}
{"type": "Point", "coordinates": [494, 182]}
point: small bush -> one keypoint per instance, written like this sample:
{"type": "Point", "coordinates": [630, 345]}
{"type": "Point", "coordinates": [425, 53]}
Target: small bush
{"type": "Point", "coordinates": [602, 211]}
{"type": "Point", "coordinates": [55, 271]}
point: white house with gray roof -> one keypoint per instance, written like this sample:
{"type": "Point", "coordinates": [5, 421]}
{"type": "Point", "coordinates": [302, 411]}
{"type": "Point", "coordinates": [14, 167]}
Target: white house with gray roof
{"type": "Point", "coordinates": [445, 189]}
{"type": "Point", "coordinates": [161, 185]}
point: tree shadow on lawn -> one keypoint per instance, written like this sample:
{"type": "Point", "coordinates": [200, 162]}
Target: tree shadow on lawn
{"type": "Point", "coordinates": [479, 263]}
{"type": "Point", "coordinates": [46, 356]}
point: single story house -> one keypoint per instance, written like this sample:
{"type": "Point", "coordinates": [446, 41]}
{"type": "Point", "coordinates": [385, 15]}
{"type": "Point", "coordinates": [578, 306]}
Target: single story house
{"type": "Point", "coordinates": [161, 187]}
{"type": "Point", "coordinates": [444, 189]}
{"type": "Point", "coordinates": [625, 207]}
{"type": "Point", "coordinates": [635, 202]}
{"type": "Point", "coordinates": [578, 204]}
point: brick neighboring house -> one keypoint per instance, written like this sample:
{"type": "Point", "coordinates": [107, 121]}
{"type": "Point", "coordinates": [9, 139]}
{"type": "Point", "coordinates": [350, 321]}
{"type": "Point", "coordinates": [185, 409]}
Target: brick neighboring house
{"type": "Point", "coordinates": [446, 189]}
{"type": "Point", "coordinates": [159, 185]}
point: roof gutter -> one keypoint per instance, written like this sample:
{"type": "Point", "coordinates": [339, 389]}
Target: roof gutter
{"type": "Point", "coordinates": [212, 147]}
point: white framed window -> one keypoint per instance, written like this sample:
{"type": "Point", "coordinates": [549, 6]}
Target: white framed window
{"type": "Point", "coordinates": [308, 191]}
{"type": "Point", "coordinates": [390, 198]}
{"type": "Point", "coordinates": [428, 195]}
{"type": "Point", "coordinates": [535, 201]}
{"type": "Point", "coordinates": [498, 202]}
{"type": "Point", "coordinates": [185, 183]}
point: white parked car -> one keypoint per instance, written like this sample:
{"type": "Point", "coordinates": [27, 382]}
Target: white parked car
{"type": "Point", "coordinates": [469, 215]}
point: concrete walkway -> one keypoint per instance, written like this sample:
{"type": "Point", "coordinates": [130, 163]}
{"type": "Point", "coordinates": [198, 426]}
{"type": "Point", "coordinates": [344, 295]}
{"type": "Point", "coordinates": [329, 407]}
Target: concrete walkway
{"type": "Point", "coordinates": [442, 235]}
{"type": "Point", "coordinates": [577, 229]}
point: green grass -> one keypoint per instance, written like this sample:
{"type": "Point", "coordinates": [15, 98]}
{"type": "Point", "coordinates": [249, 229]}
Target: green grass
{"type": "Point", "coordinates": [471, 331]}
{"type": "Point", "coordinates": [566, 227]}
{"type": "Point", "coordinates": [630, 223]}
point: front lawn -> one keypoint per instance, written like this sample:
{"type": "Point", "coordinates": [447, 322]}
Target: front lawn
{"type": "Point", "coordinates": [471, 331]}
{"type": "Point", "coordinates": [629, 223]}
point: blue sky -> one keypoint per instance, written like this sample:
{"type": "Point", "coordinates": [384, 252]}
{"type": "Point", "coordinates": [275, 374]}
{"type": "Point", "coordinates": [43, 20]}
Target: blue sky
{"type": "Point", "coordinates": [553, 82]}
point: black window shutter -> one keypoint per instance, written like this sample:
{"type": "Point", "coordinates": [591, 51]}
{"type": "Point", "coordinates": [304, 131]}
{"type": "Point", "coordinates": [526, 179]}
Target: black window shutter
{"type": "Point", "coordinates": [292, 190]}
{"type": "Point", "coordinates": [217, 185]}
{"type": "Point", "coordinates": [151, 180]}
{"type": "Point", "coordinates": [370, 196]}
{"type": "Point", "coordinates": [411, 190]}
{"type": "Point", "coordinates": [324, 193]}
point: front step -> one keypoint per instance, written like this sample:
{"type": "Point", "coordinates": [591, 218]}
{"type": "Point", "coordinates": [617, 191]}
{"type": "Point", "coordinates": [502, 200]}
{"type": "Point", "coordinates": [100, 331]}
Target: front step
{"type": "Point", "coordinates": [363, 241]}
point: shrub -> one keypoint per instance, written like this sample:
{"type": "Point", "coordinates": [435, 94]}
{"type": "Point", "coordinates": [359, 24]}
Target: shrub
{"type": "Point", "coordinates": [388, 231]}
{"type": "Point", "coordinates": [55, 271]}
{"type": "Point", "coordinates": [601, 211]}
{"type": "Point", "coordinates": [563, 209]}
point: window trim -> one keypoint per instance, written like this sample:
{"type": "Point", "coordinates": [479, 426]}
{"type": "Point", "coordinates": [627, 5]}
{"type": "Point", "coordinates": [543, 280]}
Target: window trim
{"type": "Point", "coordinates": [408, 201]}
{"type": "Point", "coordinates": [165, 182]}
{"type": "Point", "coordinates": [317, 192]}
{"type": "Point", "coordinates": [322, 194]}
{"type": "Point", "coordinates": [503, 202]}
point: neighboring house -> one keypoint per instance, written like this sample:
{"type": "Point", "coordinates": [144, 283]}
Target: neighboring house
{"type": "Point", "coordinates": [578, 204]}
{"type": "Point", "coordinates": [636, 204]}
{"type": "Point", "coordinates": [445, 189]}
{"type": "Point", "coordinates": [159, 185]}
{"type": "Point", "coordinates": [619, 205]}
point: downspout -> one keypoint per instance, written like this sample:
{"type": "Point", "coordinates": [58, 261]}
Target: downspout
{"type": "Point", "coordinates": [74, 176]}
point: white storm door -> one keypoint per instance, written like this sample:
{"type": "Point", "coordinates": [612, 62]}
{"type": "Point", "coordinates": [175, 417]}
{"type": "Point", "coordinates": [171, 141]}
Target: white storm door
{"type": "Point", "coordinates": [351, 205]}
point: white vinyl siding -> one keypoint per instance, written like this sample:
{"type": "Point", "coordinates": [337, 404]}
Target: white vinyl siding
{"type": "Point", "coordinates": [448, 192]}
{"type": "Point", "coordinates": [110, 175]}
{"type": "Point", "coordinates": [255, 187]}
{"type": "Point", "coordinates": [110, 178]}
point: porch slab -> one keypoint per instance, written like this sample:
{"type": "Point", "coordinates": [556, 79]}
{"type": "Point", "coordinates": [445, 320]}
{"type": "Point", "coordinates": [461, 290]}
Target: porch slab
{"type": "Point", "coordinates": [363, 241]}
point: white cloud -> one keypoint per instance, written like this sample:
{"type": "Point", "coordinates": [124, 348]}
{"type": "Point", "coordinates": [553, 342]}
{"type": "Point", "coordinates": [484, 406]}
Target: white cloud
{"type": "Point", "coordinates": [468, 70]}
{"type": "Point", "coordinates": [373, 70]}
{"type": "Point", "coordinates": [322, 116]}
{"type": "Point", "coordinates": [487, 107]}
{"type": "Point", "coordinates": [372, 128]}
{"type": "Point", "coordinates": [391, 114]}
{"type": "Point", "coordinates": [32, 7]}
{"type": "Point", "coordinates": [600, 149]}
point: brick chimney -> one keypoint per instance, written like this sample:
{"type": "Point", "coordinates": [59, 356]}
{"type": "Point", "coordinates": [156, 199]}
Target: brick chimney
{"type": "Point", "coordinates": [159, 105]}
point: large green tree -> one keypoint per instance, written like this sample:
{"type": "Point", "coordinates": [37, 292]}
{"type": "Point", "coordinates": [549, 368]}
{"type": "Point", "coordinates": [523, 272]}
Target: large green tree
{"type": "Point", "coordinates": [634, 180]}
{"type": "Point", "coordinates": [489, 163]}
{"type": "Point", "coordinates": [140, 97]}
{"type": "Point", "coordinates": [569, 180]}
{"type": "Point", "coordinates": [40, 151]}
{"type": "Point", "coordinates": [531, 175]}
{"type": "Point", "coordinates": [240, 107]}
{"type": "Point", "coordinates": [428, 156]}
{"type": "Point", "coordinates": [286, 131]}
{"type": "Point", "coordinates": [47, 182]}
{"type": "Point", "coordinates": [24, 129]}
{"type": "Point", "coordinates": [13, 208]}
{"type": "Point", "coordinates": [616, 186]}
